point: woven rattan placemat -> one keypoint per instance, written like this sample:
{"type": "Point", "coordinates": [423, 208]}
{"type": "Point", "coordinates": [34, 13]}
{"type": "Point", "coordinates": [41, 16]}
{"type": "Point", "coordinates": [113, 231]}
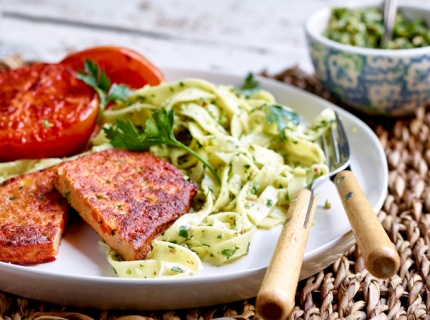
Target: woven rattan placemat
{"type": "Point", "coordinates": [345, 289]}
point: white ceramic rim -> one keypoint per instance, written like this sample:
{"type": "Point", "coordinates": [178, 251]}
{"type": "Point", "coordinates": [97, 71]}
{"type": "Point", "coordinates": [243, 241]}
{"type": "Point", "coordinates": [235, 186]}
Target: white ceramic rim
{"type": "Point", "coordinates": [313, 31]}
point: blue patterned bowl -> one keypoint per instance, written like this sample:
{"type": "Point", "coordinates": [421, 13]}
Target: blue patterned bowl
{"type": "Point", "coordinates": [374, 81]}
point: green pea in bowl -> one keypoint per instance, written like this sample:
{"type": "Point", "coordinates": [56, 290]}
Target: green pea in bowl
{"type": "Point", "coordinates": [373, 80]}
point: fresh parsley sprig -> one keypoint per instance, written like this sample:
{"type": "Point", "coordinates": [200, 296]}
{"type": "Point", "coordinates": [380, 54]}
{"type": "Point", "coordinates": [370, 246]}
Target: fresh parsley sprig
{"type": "Point", "coordinates": [277, 114]}
{"type": "Point", "coordinates": [250, 86]}
{"type": "Point", "coordinates": [97, 79]}
{"type": "Point", "coordinates": [158, 130]}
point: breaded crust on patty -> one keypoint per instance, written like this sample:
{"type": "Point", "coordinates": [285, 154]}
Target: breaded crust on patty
{"type": "Point", "coordinates": [32, 218]}
{"type": "Point", "coordinates": [127, 197]}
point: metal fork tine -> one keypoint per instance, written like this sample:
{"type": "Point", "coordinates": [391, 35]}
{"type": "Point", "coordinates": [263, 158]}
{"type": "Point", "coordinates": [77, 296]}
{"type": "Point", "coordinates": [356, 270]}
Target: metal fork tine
{"type": "Point", "coordinates": [326, 150]}
{"type": "Point", "coordinates": [343, 145]}
{"type": "Point", "coordinates": [335, 146]}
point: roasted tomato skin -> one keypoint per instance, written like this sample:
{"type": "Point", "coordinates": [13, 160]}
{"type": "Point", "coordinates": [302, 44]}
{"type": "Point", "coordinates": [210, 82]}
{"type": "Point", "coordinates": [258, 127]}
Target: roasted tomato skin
{"type": "Point", "coordinates": [122, 65]}
{"type": "Point", "coordinates": [45, 111]}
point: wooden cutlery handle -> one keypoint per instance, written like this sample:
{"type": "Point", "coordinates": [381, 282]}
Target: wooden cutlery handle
{"type": "Point", "coordinates": [276, 297]}
{"type": "Point", "coordinates": [380, 255]}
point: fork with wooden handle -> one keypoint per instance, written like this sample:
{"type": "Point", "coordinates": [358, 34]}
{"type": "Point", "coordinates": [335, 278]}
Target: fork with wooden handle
{"type": "Point", "coordinates": [276, 296]}
{"type": "Point", "coordinates": [275, 299]}
{"type": "Point", "coordinates": [379, 253]}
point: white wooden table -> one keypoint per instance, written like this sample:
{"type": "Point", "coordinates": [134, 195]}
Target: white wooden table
{"type": "Point", "coordinates": [235, 36]}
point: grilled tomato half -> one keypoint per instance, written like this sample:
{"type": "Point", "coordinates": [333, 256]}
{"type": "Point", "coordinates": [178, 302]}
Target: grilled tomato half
{"type": "Point", "coordinates": [46, 111]}
{"type": "Point", "coordinates": [122, 65]}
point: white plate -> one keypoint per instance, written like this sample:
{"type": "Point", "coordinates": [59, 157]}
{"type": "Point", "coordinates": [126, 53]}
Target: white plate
{"type": "Point", "coordinates": [81, 275]}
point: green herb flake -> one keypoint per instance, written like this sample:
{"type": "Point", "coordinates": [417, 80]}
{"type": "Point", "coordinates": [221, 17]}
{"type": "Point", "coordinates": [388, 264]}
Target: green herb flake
{"type": "Point", "coordinates": [177, 269]}
{"type": "Point", "coordinates": [269, 203]}
{"type": "Point", "coordinates": [255, 188]}
{"type": "Point", "coordinates": [46, 124]}
{"type": "Point", "coordinates": [183, 231]}
{"type": "Point", "coordinates": [229, 252]}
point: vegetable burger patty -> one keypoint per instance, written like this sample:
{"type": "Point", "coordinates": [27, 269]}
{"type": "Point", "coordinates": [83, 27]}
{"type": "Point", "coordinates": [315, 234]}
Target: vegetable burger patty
{"type": "Point", "coordinates": [127, 197]}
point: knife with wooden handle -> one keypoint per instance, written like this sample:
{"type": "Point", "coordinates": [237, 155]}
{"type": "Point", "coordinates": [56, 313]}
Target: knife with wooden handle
{"type": "Point", "coordinates": [276, 297]}
{"type": "Point", "coordinates": [379, 253]}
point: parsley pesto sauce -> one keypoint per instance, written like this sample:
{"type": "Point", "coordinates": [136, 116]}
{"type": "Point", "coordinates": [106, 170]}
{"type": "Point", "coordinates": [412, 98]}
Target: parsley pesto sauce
{"type": "Point", "coordinates": [364, 28]}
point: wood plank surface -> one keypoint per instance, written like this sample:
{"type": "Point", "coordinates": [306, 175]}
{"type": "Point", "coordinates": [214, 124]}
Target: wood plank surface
{"type": "Point", "coordinates": [226, 35]}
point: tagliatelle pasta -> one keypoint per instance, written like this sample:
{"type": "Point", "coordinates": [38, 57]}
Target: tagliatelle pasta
{"type": "Point", "coordinates": [260, 171]}
{"type": "Point", "coordinates": [15, 168]}
{"type": "Point", "coordinates": [260, 168]}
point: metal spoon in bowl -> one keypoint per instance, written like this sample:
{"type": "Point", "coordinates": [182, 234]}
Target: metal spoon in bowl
{"type": "Point", "coordinates": [390, 10]}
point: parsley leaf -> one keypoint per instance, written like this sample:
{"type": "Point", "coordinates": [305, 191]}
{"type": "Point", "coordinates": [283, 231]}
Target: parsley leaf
{"type": "Point", "coordinates": [158, 130]}
{"type": "Point", "coordinates": [249, 87]}
{"type": "Point", "coordinates": [118, 92]}
{"type": "Point", "coordinates": [98, 80]}
{"type": "Point", "coordinates": [278, 114]}
{"type": "Point", "coordinates": [125, 136]}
